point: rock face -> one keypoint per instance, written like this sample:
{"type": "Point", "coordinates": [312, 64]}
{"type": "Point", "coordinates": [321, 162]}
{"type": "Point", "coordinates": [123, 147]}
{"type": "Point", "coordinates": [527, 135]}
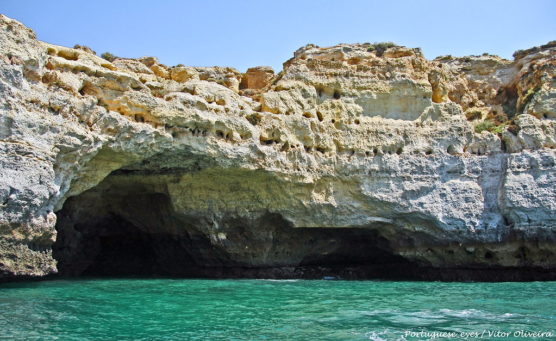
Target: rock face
{"type": "Point", "coordinates": [355, 160]}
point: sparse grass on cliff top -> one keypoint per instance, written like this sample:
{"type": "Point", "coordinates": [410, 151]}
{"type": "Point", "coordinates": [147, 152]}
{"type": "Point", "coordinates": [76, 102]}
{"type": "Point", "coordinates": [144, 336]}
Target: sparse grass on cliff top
{"type": "Point", "coordinates": [522, 53]}
{"type": "Point", "coordinates": [84, 48]}
{"type": "Point", "coordinates": [379, 48]}
{"type": "Point", "coordinates": [108, 56]}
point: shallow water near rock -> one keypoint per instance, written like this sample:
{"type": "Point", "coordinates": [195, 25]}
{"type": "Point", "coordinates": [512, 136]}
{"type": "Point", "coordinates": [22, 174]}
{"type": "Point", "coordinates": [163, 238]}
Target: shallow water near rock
{"type": "Point", "coordinates": [147, 309]}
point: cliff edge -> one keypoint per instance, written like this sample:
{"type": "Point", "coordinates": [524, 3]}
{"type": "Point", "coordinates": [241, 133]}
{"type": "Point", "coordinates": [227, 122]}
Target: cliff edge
{"type": "Point", "coordinates": [358, 161]}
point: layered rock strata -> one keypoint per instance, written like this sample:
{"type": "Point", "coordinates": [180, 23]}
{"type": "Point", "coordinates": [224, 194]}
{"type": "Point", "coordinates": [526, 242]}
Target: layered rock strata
{"type": "Point", "coordinates": [359, 161]}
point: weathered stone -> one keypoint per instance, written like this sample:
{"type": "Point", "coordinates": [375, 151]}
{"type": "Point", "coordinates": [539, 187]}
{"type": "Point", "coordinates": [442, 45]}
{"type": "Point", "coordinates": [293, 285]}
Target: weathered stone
{"type": "Point", "coordinates": [354, 154]}
{"type": "Point", "coordinates": [257, 77]}
{"type": "Point", "coordinates": [182, 74]}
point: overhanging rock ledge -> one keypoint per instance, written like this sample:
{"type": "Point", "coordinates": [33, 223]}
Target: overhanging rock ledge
{"type": "Point", "coordinates": [359, 161]}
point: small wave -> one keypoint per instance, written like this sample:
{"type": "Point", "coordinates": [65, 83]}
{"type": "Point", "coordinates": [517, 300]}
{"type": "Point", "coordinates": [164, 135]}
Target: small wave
{"type": "Point", "coordinates": [280, 280]}
{"type": "Point", "coordinates": [462, 313]}
{"type": "Point", "coordinates": [476, 314]}
{"type": "Point", "coordinates": [383, 336]}
{"type": "Point", "coordinates": [375, 336]}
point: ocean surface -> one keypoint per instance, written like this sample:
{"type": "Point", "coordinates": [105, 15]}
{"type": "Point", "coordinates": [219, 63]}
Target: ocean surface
{"type": "Point", "coordinates": [177, 309]}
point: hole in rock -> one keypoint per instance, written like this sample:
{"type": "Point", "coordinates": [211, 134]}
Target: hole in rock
{"type": "Point", "coordinates": [319, 116]}
{"type": "Point", "coordinates": [128, 225]}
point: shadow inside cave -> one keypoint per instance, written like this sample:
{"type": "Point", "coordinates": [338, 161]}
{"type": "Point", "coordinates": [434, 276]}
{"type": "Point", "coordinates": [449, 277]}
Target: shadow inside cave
{"type": "Point", "coordinates": [126, 226]}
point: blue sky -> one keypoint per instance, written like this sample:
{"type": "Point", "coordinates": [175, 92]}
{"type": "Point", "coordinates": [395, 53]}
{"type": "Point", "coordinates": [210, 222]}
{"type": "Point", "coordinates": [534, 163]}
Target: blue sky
{"type": "Point", "coordinates": [250, 33]}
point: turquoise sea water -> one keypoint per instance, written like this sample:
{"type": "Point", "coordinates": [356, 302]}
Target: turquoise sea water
{"type": "Point", "coordinates": [175, 309]}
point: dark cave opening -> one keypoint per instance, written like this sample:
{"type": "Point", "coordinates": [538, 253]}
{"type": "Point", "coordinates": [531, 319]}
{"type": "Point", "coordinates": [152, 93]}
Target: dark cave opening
{"type": "Point", "coordinates": [127, 226]}
{"type": "Point", "coordinates": [122, 249]}
{"type": "Point", "coordinates": [124, 229]}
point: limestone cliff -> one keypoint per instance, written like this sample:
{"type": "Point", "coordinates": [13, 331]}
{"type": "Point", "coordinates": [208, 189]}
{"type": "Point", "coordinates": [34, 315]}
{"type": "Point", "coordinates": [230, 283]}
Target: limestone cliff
{"type": "Point", "coordinates": [355, 160]}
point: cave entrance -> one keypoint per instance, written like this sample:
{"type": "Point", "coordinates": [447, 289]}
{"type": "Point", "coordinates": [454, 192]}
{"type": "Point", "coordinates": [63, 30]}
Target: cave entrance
{"type": "Point", "coordinates": [121, 248]}
{"type": "Point", "coordinates": [126, 226]}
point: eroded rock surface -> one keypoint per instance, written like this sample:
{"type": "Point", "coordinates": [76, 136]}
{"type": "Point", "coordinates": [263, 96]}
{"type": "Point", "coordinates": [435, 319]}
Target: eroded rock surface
{"type": "Point", "coordinates": [354, 157]}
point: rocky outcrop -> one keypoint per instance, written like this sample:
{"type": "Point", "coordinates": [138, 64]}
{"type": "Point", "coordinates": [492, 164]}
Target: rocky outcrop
{"type": "Point", "coordinates": [257, 78]}
{"type": "Point", "coordinates": [355, 160]}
